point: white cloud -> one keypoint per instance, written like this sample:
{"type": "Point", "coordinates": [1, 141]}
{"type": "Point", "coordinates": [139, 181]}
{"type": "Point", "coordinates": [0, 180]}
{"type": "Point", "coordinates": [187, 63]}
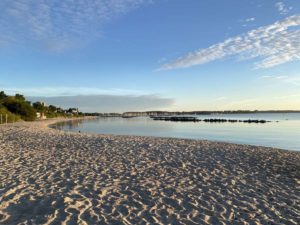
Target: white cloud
{"type": "Point", "coordinates": [272, 45]}
{"type": "Point", "coordinates": [57, 24]}
{"type": "Point", "coordinates": [282, 8]}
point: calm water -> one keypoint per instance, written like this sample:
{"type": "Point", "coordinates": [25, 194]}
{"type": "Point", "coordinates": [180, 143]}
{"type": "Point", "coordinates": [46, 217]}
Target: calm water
{"type": "Point", "coordinates": [283, 134]}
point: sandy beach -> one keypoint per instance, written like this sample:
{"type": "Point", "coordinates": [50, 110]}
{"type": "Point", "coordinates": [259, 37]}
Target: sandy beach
{"type": "Point", "coordinates": [54, 177]}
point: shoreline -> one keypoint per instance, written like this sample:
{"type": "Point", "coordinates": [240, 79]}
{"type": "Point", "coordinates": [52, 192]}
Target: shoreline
{"type": "Point", "coordinates": [50, 176]}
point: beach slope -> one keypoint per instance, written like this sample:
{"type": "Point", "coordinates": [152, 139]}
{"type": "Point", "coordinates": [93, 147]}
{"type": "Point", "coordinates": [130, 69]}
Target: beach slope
{"type": "Point", "coordinates": [54, 177]}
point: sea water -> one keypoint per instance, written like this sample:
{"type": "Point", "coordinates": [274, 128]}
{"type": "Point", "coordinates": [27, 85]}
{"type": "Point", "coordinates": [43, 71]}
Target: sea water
{"type": "Point", "coordinates": [282, 132]}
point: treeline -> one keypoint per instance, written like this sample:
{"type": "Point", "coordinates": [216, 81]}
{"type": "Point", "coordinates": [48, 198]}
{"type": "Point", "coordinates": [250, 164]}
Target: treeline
{"type": "Point", "coordinates": [17, 108]}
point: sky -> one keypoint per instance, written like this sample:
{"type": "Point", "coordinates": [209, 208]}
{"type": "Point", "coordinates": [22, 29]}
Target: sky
{"type": "Point", "coordinates": [139, 55]}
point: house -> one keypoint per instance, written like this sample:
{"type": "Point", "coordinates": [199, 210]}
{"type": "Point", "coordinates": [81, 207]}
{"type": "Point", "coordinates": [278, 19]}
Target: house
{"type": "Point", "coordinates": [41, 116]}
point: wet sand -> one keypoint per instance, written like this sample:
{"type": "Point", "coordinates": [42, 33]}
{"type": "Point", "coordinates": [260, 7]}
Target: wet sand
{"type": "Point", "coordinates": [54, 177]}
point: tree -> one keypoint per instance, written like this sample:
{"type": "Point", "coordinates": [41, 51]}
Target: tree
{"type": "Point", "coordinates": [18, 106]}
{"type": "Point", "coordinates": [72, 110]}
{"type": "Point", "coordinates": [2, 95]}
{"type": "Point", "coordinates": [39, 106]}
{"type": "Point", "coordinates": [52, 109]}
{"type": "Point", "coordinates": [20, 97]}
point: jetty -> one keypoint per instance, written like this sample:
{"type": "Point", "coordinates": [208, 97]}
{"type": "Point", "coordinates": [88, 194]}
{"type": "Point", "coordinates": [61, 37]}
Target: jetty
{"type": "Point", "coordinates": [210, 120]}
{"type": "Point", "coordinates": [177, 118]}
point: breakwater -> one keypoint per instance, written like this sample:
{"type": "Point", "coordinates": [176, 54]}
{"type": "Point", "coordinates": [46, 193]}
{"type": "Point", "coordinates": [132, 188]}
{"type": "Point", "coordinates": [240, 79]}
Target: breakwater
{"type": "Point", "coordinates": [210, 120]}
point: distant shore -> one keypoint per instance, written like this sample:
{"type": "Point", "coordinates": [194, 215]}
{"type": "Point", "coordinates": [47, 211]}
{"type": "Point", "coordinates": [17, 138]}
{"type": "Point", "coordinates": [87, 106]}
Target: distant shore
{"type": "Point", "coordinates": [49, 176]}
{"type": "Point", "coordinates": [174, 113]}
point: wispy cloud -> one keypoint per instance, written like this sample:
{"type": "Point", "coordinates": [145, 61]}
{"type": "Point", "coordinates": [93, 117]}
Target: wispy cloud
{"type": "Point", "coordinates": [57, 24]}
{"type": "Point", "coordinates": [247, 21]}
{"type": "Point", "coordinates": [272, 45]}
{"type": "Point", "coordinates": [282, 8]}
{"type": "Point", "coordinates": [294, 80]}
{"type": "Point", "coordinates": [250, 19]}
{"type": "Point", "coordinates": [70, 91]}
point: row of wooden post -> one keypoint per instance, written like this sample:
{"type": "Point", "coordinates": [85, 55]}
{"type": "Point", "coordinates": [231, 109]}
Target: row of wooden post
{"type": "Point", "coordinates": [3, 119]}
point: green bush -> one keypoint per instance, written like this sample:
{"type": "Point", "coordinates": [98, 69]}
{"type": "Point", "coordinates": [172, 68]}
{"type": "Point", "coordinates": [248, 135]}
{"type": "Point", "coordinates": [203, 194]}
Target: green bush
{"type": "Point", "coordinates": [10, 116]}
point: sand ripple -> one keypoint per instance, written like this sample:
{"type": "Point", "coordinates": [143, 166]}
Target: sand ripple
{"type": "Point", "coordinates": [53, 177]}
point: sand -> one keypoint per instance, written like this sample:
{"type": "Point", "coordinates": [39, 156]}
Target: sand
{"type": "Point", "coordinates": [55, 177]}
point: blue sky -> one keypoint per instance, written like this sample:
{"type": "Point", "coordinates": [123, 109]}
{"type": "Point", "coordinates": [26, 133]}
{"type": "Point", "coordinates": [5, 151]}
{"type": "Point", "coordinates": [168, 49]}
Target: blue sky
{"type": "Point", "coordinates": [152, 54]}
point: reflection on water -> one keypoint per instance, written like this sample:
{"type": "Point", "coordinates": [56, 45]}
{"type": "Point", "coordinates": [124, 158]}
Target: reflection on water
{"type": "Point", "coordinates": [69, 125]}
{"type": "Point", "coordinates": [282, 134]}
